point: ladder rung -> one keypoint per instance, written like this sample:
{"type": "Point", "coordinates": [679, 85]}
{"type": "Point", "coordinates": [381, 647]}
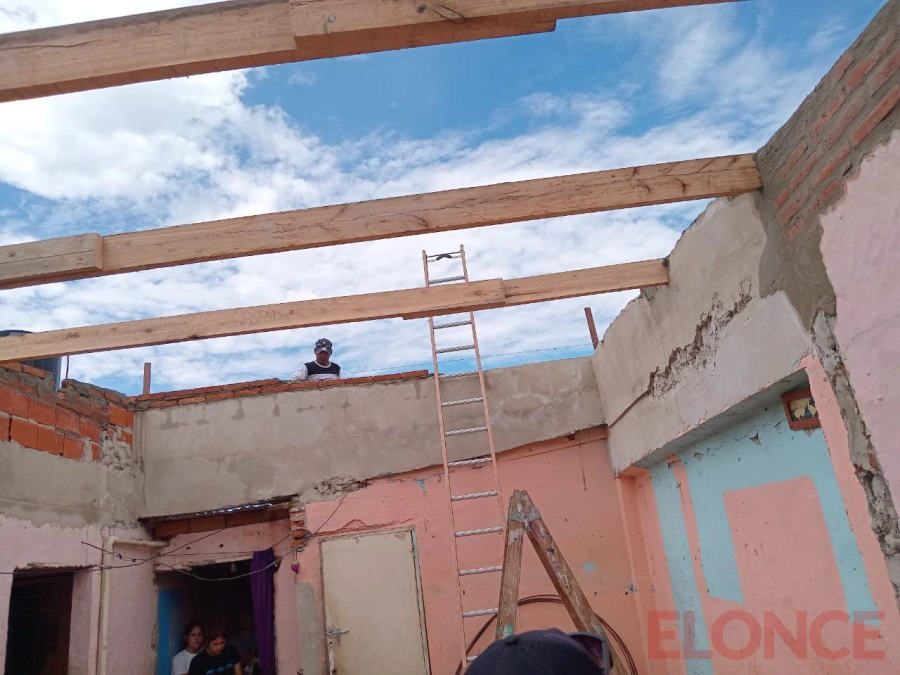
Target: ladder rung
{"type": "Point", "coordinates": [473, 495]}
{"type": "Point", "coordinates": [464, 431]}
{"type": "Point", "coordinates": [461, 348]}
{"type": "Point", "coordinates": [480, 612]}
{"type": "Point", "coordinates": [462, 462]}
{"type": "Point", "coordinates": [481, 570]}
{"type": "Point", "coordinates": [436, 256]}
{"type": "Point", "coordinates": [463, 374]}
{"type": "Point", "coordinates": [445, 280]}
{"type": "Point", "coordinates": [452, 324]}
{"type": "Point", "coordinates": [483, 530]}
{"type": "Point", "coordinates": [462, 401]}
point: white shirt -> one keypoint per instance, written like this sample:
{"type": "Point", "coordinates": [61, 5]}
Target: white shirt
{"type": "Point", "coordinates": [182, 662]}
{"type": "Point", "coordinates": [301, 374]}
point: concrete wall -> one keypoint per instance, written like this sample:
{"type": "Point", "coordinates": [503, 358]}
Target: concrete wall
{"type": "Point", "coordinates": [681, 354]}
{"type": "Point", "coordinates": [571, 484]}
{"type": "Point", "coordinates": [311, 442]}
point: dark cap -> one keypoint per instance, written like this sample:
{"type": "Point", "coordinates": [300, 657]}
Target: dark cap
{"type": "Point", "coordinates": [323, 345]}
{"type": "Point", "coordinates": [543, 652]}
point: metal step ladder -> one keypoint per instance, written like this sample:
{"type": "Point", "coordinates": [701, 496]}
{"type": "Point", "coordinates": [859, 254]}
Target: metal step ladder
{"type": "Point", "coordinates": [492, 517]}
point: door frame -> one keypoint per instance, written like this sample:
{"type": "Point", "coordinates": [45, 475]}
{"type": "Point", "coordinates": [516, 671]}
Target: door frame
{"type": "Point", "coordinates": [420, 601]}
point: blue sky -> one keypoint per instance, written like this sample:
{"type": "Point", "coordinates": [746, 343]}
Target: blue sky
{"type": "Point", "coordinates": [600, 92]}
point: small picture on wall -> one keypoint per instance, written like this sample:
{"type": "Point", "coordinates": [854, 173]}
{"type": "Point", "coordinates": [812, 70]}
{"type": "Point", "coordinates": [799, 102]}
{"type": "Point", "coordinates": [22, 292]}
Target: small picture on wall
{"type": "Point", "coordinates": [800, 408]}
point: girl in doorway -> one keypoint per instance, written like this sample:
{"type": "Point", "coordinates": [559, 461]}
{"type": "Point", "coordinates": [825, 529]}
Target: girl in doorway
{"type": "Point", "coordinates": [193, 640]}
{"type": "Point", "coordinates": [218, 657]}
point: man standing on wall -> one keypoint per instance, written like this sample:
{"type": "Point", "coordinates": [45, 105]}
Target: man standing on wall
{"type": "Point", "coordinates": [320, 369]}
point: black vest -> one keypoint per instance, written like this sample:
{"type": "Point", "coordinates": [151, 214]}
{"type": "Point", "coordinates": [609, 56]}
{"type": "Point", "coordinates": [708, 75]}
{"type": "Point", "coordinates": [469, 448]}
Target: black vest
{"type": "Point", "coordinates": [313, 368]}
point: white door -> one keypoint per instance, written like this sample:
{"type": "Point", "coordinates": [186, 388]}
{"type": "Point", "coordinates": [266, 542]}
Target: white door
{"type": "Point", "coordinates": [373, 611]}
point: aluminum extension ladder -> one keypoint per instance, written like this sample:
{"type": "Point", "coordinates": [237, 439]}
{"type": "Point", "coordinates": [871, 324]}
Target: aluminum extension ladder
{"type": "Point", "coordinates": [492, 518]}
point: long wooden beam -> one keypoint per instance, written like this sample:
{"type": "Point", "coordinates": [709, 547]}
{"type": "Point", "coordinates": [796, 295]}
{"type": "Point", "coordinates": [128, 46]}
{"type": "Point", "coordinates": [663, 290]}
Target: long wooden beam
{"type": "Point", "coordinates": [250, 33]}
{"type": "Point", "coordinates": [382, 219]}
{"type": "Point", "coordinates": [411, 303]}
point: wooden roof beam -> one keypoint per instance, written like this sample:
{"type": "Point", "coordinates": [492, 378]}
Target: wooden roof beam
{"type": "Point", "coordinates": [380, 219]}
{"type": "Point", "coordinates": [410, 303]}
{"type": "Point", "coordinates": [249, 33]}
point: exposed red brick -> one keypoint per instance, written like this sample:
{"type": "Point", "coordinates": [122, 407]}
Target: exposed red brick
{"type": "Point", "coordinates": [73, 448]}
{"type": "Point", "coordinates": [41, 412]}
{"type": "Point", "coordinates": [847, 114]}
{"type": "Point", "coordinates": [782, 198]}
{"type": "Point", "coordinates": [797, 154]}
{"type": "Point", "coordinates": [789, 211]}
{"type": "Point", "coordinates": [832, 108]}
{"type": "Point", "coordinates": [151, 397]}
{"type": "Point", "coordinates": [66, 420]}
{"type": "Point", "coordinates": [303, 385]}
{"type": "Point", "coordinates": [48, 440]}
{"type": "Point", "coordinates": [162, 404]}
{"type": "Point", "coordinates": [840, 68]}
{"type": "Point", "coordinates": [858, 74]}
{"type": "Point", "coordinates": [4, 426]}
{"type": "Point", "coordinates": [221, 396]}
{"type": "Point", "coordinates": [126, 437]}
{"type": "Point", "coordinates": [31, 370]}
{"type": "Point", "coordinates": [359, 380]}
{"type": "Point", "coordinates": [191, 399]}
{"type": "Point", "coordinates": [884, 72]}
{"type": "Point", "coordinates": [253, 383]}
{"type": "Point", "coordinates": [826, 194]}
{"type": "Point", "coordinates": [795, 229]}
{"type": "Point", "coordinates": [274, 389]}
{"type": "Point", "coordinates": [95, 452]}
{"type": "Point", "coordinates": [89, 429]}
{"type": "Point", "coordinates": [832, 165]}
{"type": "Point", "coordinates": [874, 118]}
{"type": "Point", "coordinates": [12, 365]}
{"type": "Point", "coordinates": [328, 383]}
{"type": "Point", "coordinates": [23, 432]}
{"type": "Point", "coordinates": [121, 417]}
{"type": "Point", "coordinates": [24, 387]}
{"type": "Point", "coordinates": [12, 402]}
{"type": "Point", "coordinates": [805, 170]}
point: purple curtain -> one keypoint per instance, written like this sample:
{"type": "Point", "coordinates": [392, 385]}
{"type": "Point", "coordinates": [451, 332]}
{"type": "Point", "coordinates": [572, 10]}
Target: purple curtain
{"type": "Point", "coordinates": [262, 584]}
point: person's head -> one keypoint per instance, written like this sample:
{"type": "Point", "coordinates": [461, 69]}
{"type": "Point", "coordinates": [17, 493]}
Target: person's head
{"type": "Point", "coordinates": [215, 638]}
{"type": "Point", "coordinates": [193, 636]}
{"type": "Point", "coordinates": [544, 652]}
{"type": "Point", "coordinates": [323, 351]}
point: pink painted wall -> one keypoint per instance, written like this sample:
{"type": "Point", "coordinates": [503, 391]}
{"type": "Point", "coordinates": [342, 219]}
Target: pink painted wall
{"type": "Point", "coordinates": [861, 249]}
{"type": "Point", "coordinates": [132, 599]}
{"type": "Point", "coordinates": [572, 485]}
{"type": "Point", "coordinates": [239, 543]}
{"type": "Point", "coordinates": [784, 553]}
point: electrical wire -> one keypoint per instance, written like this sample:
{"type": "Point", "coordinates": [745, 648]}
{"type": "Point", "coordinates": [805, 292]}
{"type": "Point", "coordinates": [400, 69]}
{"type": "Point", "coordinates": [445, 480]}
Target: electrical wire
{"type": "Point", "coordinates": [629, 659]}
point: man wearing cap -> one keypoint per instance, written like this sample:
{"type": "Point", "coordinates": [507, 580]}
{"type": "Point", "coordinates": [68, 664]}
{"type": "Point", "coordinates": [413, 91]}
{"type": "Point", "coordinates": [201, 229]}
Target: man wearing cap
{"type": "Point", "coordinates": [544, 652]}
{"type": "Point", "coordinates": [320, 369]}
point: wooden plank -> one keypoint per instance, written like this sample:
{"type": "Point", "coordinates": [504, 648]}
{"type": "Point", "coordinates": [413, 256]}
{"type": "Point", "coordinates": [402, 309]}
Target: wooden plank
{"type": "Point", "coordinates": [564, 580]}
{"type": "Point", "coordinates": [248, 33]}
{"type": "Point", "coordinates": [328, 311]}
{"type": "Point", "coordinates": [508, 608]}
{"type": "Point", "coordinates": [420, 214]}
{"type": "Point", "coordinates": [431, 301]}
{"type": "Point", "coordinates": [36, 261]}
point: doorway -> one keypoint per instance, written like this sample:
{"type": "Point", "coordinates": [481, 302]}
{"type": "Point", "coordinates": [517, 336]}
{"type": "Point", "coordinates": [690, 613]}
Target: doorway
{"type": "Point", "coordinates": [204, 593]}
{"type": "Point", "coordinates": [40, 617]}
{"type": "Point", "coordinates": [374, 618]}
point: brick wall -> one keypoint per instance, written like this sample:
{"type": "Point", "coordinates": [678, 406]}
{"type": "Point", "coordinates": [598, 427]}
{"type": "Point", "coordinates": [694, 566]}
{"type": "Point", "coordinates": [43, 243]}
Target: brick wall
{"type": "Point", "coordinates": [76, 422]}
{"type": "Point", "coordinates": [254, 388]}
{"type": "Point", "coordinates": [806, 164]}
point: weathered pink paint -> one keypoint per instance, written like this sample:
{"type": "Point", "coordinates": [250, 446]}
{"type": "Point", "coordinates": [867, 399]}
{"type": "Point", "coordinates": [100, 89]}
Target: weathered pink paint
{"type": "Point", "coordinates": [239, 543]}
{"type": "Point", "coordinates": [571, 483]}
{"type": "Point", "coordinates": [132, 600]}
{"type": "Point", "coordinates": [861, 249]}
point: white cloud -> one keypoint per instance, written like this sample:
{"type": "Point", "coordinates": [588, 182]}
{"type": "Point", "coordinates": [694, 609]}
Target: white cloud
{"type": "Point", "coordinates": [188, 150]}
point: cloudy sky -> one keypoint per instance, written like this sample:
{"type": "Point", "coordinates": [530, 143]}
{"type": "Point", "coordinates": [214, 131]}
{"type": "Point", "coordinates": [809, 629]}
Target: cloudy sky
{"type": "Point", "coordinates": [598, 93]}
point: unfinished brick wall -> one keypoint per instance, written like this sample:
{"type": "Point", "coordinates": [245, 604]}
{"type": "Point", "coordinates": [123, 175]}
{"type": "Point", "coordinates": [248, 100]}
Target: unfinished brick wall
{"type": "Point", "coordinates": [805, 169]}
{"type": "Point", "coordinates": [254, 388]}
{"type": "Point", "coordinates": [78, 422]}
